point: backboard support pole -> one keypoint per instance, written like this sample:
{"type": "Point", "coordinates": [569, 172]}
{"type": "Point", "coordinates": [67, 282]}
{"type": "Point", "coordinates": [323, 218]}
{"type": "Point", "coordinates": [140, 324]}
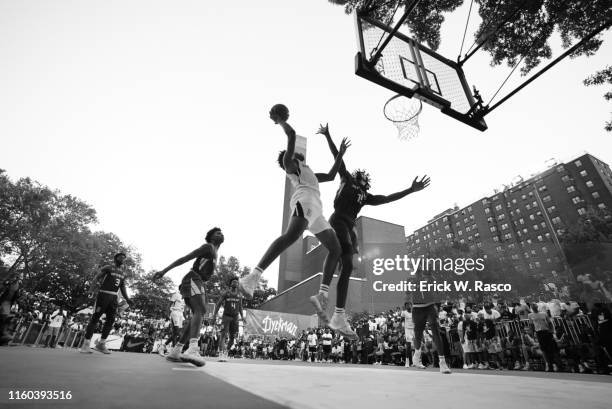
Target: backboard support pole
{"type": "Point", "coordinates": [401, 21]}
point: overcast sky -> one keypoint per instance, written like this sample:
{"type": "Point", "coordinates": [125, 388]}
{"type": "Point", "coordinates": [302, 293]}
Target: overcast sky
{"type": "Point", "coordinates": [156, 114]}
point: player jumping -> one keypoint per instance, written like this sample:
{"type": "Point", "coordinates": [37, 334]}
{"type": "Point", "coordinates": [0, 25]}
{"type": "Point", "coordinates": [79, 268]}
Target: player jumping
{"type": "Point", "coordinates": [351, 196]}
{"type": "Point", "coordinates": [307, 212]}
{"type": "Point", "coordinates": [193, 292]}
{"type": "Point", "coordinates": [231, 300]}
{"type": "Point", "coordinates": [113, 280]}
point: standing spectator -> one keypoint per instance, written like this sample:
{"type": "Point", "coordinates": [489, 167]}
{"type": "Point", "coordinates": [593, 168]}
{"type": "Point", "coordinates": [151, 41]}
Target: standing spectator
{"type": "Point", "coordinates": [56, 322]}
{"type": "Point", "coordinates": [408, 332]}
{"type": "Point", "coordinates": [544, 334]}
{"type": "Point", "coordinates": [312, 345]}
{"type": "Point", "coordinates": [327, 344]}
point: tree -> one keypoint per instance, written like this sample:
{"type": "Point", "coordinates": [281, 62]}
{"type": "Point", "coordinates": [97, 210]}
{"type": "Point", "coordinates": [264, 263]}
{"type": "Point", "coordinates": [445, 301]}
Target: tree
{"type": "Point", "coordinates": [601, 77]}
{"type": "Point", "coordinates": [46, 236]}
{"type": "Point", "coordinates": [152, 299]}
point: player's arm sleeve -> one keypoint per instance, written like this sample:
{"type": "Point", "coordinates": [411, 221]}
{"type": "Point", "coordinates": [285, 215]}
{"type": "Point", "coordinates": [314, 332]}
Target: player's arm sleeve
{"type": "Point", "coordinates": [124, 291]}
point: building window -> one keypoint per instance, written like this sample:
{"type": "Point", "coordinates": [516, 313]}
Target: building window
{"type": "Point", "coordinates": [460, 232]}
{"type": "Point", "coordinates": [507, 236]}
{"type": "Point", "coordinates": [531, 217]}
{"type": "Point", "coordinates": [501, 217]}
{"type": "Point", "coordinates": [556, 220]}
{"type": "Point", "coordinates": [551, 209]}
{"type": "Point", "coordinates": [565, 178]}
{"type": "Point", "coordinates": [582, 211]}
{"type": "Point", "coordinates": [487, 210]}
{"type": "Point", "coordinates": [498, 207]}
{"type": "Point", "coordinates": [518, 211]}
{"type": "Point", "coordinates": [469, 208]}
{"type": "Point", "coordinates": [537, 264]}
{"type": "Point", "coordinates": [528, 207]}
{"type": "Point", "coordinates": [578, 163]}
{"type": "Point", "coordinates": [493, 229]}
{"type": "Point", "coordinates": [498, 249]}
{"type": "Point", "coordinates": [479, 244]}
{"type": "Point", "coordinates": [590, 183]}
{"type": "Point", "coordinates": [544, 250]}
{"type": "Point", "coordinates": [536, 227]}
{"type": "Point", "coordinates": [583, 173]}
{"type": "Point", "coordinates": [576, 200]}
{"type": "Point", "coordinates": [570, 189]}
{"type": "Point", "coordinates": [540, 238]}
{"type": "Point", "coordinates": [595, 195]}
{"type": "Point", "coordinates": [543, 224]}
{"type": "Point", "coordinates": [445, 219]}
{"type": "Point", "coordinates": [601, 205]}
{"type": "Point", "coordinates": [542, 188]}
{"type": "Point", "coordinates": [504, 226]}
{"type": "Point", "coordinates": [495, 239]}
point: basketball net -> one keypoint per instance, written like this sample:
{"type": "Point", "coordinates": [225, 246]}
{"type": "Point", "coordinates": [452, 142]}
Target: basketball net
{"type": "Point", "coordinates": [404, 113]}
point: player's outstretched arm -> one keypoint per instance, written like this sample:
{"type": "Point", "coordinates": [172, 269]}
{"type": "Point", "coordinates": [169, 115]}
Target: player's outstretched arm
{"type": "Point", "coordinates": [200, 252]}
{"type": "Point", "coordinates": [324, 130]}
{"type": "Point", "coordinates": [331, 175]}
{"type": "Point", "coordinates": [288, 162]}
{"type": "Point", "coordinates": [375, 200]}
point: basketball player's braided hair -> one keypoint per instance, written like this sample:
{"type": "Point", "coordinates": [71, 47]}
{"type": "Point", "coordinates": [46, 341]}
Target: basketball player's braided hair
{"type": "Point", "coordinates": [363, 175]}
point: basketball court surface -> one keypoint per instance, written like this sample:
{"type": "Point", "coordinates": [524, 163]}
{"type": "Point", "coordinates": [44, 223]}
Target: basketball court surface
{"type": "Point", "coordinates": [131, 380]}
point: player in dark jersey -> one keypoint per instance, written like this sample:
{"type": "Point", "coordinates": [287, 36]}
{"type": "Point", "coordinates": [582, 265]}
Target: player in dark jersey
{"type": "Point", "coordinates": [351, 196]}
{"type": "Point", "coordinates": [193, 292]}
{"type": "Point", "coordinates": [232, 311]}
{"type": "Point", "coordinates": [113, 280]}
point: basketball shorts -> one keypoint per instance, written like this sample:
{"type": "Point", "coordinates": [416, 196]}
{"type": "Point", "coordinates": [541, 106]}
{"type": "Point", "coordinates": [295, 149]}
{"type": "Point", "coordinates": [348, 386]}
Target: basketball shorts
{"type": "Point", "coordinates": [106, 304]}
{"type": "Point", "coordinates": [230, 324]}
{"type": "Point", "coordinates": [313, 213]}
{"type": "Point", "coordinates": [327, 349]}
{"type": "Point", "coordinates": [312, 349]}
{"type": "Point", "coordinates": [177, 318]}
{"type": "Point", "coordinates": [192, 285]}
{"type": "Point", "coordinates": [346, 233]}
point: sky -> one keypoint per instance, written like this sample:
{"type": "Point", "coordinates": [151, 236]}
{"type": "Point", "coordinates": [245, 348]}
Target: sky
{"type": "Point", "coordinates": [156, 114]}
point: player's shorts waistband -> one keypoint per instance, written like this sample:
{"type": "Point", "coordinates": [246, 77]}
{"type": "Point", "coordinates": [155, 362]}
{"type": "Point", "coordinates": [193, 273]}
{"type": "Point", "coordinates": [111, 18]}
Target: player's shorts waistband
{"type": "Point", "coordinates": [108, 292]}
{"type": "Point", "coordinates": [339, 216]}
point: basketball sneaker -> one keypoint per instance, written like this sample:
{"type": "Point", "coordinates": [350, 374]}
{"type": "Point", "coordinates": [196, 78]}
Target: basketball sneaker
{"type": "Point", "coordinates": [319, 301]}
{"type": "Point", "coordinates": [192, 355]}
{"type": "Point", "coordinates": [443, 366]}
{"type": "Point", "coordinates": [222, 356]}
{"type": "Point", "coordinates": [175, 354]}
{"type": "Point", "coordinates": [100, 346]}
{"type": "Point", "coordinates": [249, 284]}
{"type": "Point", "coordinates": [416, 360]}
{"type": "Point", "coordinates": [339, 323]}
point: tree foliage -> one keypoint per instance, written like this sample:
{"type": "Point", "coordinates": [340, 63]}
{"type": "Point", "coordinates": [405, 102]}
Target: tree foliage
{"type": "Point", "coordinates": [46, 236]}
{"type": "Point", "coordinates": [602, 77]}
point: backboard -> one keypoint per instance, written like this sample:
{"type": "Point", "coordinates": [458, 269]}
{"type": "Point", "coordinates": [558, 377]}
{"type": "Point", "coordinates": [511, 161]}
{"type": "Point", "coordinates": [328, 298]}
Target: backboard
{"type": "Point", "coordinates": [411, 69]}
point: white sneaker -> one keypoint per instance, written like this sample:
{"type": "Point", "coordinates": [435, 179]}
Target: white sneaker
{"type": "Point", "coordinates": [161, 351]}
{"type": "Point", "coordinates": [319, 301]}
{"type": "Point", "coordinates": [339, 323]}
{"type": "Point", "coordinates": [416, 360]}
{"type": "Point", "coordinates": [465, 366]}
{"type": "Point", "coordinates": [407, 364]}
{"type": "Point", "coordinates": [175, 354]}
{"type": "Point", "coordinates": [481, 366]}
{"type": "Point", "coordinates": [443, 366]}
{"type": "Point", "coordinates": [249, 284]}
{"type": "Point", "coordinates": [222, 356]}
{"type": "Point", "coordinates": [192, 355]}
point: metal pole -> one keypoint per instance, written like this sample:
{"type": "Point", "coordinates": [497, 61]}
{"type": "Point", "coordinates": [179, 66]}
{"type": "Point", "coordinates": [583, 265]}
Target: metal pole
{"type": "Point", "coordinates": [401, 21]}
{"type": "Point", "coordinates": [549, 66]}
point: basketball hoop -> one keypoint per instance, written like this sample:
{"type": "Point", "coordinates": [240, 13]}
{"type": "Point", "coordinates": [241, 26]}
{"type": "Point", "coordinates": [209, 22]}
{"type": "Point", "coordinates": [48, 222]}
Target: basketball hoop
{"type": "Point", "coordinates": [404, 113]}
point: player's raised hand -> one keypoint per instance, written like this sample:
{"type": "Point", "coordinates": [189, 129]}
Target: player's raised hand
{"type": "Point", "coordinates": [158, 275]}
{"type": "Point", "coordinates": [344, 146]}
{"type": "Point", "coordinates": [323, 129]}
{"type": "Point", "coordinates": [420, 184]}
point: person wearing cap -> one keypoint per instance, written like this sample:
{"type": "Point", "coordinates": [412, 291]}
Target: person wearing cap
{"type": "Point", "coordinates": [231, 300]}
{"type": "Point", "coordinates": [113, 280]}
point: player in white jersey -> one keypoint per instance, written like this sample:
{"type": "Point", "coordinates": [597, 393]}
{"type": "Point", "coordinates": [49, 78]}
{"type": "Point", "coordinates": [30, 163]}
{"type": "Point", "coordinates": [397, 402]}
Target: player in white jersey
{"type": "Point", "coordinates": [177, 308]}
{"type": "Point", "coordinates": [307, 213]}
